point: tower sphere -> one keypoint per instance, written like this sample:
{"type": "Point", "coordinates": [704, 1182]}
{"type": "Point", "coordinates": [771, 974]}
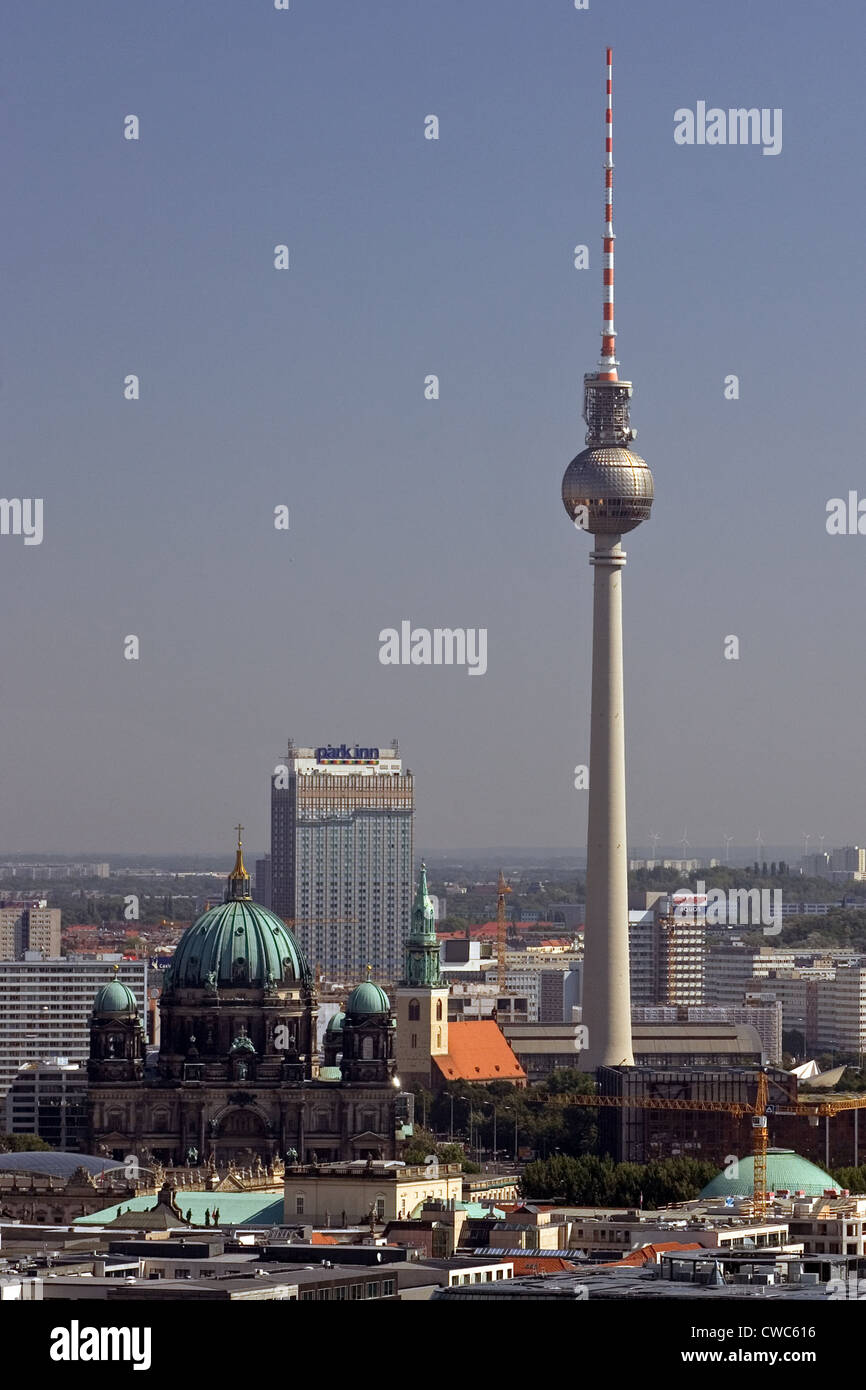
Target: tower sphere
{"type": "Point", "coordinates": [614, 485]}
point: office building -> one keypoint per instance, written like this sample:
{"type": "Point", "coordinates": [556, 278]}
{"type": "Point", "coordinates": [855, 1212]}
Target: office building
{"type": "Point", "coordinates": [666, 956]}
{"type": "Point", "coordinates": [263, 881]}
{"type": "Point", "coordinates": [45, 1007]}
{"type": "Point", "coordinates": [841, 1012]}
{"type": "Point", "coordinates": [49, 1098]}
{"type": "Point", "coordinates": [342, 823]}
{"type": "Point", "coordinates": [28, 927]}
{"type": "Point", "coordinates": [732, 970]}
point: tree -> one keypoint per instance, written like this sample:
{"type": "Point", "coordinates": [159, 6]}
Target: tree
{"type": "Point", "coordinates": [22, 1143]}
{"type": "Point", "coordinates": [423, 1146]}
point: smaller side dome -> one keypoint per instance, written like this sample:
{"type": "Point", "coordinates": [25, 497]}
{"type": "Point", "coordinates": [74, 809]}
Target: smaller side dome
{"type": "Point", "coordinates": [368, 998]}
{"type": "Point", "coordinates": [335, 1024]}
{"type": "Point", "coordinates": [115, 998]}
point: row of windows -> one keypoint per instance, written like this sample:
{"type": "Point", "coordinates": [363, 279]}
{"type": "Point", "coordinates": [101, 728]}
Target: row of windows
{"type": "Point", "coordinates": [384, 1289]}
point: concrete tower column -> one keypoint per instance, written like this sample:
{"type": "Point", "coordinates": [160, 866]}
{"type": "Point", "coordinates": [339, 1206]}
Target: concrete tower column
{"type": "Point", "coordinates": [606, 990]}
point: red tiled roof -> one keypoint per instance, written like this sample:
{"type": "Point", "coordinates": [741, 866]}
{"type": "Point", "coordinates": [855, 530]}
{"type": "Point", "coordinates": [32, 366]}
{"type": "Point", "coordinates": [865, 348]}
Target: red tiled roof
{"type": "Point", "coordinates": [478, 1051]}
{"type": "Point", "coordinates": [647, 1253]}
{"type": "Point", "coordinates": [541, 1264]}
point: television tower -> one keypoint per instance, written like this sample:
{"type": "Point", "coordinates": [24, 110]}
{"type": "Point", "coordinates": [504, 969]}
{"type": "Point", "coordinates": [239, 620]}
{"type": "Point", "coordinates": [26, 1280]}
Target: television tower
{"type": "Point", "coordinates": [607, 490]}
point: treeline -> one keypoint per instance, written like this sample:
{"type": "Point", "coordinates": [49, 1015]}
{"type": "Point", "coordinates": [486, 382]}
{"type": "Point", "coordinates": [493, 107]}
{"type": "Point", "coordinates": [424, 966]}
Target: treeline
{"type": "Point", "coordinates": [590, 1181]}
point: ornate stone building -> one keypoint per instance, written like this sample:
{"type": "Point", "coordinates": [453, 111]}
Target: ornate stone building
{"type": "Point", "coordinates": [237, 1077]}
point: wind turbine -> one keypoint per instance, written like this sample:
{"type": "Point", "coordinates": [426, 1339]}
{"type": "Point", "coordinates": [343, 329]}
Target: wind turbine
{"type": "Point", "coordinates": [760, 843]}
{"type": "Point", "coordinates": [686, 844]}
{"type": "Point", "coordinates": [654, 839]}
{"type": "Point", "coordinates": [806, 839]}
{"type": "Point", "coordinates": [728, 839]}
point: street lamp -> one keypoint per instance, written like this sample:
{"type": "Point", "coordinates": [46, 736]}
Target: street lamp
{"type": "Point", "coordinates": [495, 1116]}
{"type": "Point", "coordinates": [512, 1110]}
{"type": "Point", "coordinates": [452, 1099]}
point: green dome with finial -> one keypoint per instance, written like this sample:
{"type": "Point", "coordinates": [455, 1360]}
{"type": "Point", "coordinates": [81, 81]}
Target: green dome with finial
{"type": "Point", "coordinates": [368, 998]}
{"type": "Point", "coordinates": [238, 943]}
{"type": "Point", "coordinates": [114, 997]}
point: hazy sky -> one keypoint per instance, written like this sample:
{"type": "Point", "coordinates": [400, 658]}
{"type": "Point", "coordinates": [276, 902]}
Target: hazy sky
{"type": "Point", "coordinates": [305, 388]}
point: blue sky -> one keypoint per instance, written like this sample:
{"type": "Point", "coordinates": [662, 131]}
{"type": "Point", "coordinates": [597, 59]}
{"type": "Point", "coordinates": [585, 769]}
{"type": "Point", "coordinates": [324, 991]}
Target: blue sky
{"type": "Point", "coordinates": [305, 388]}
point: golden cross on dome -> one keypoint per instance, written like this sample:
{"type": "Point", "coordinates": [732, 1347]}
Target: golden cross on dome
{"type": "Point", "coordinates": [240, 831]}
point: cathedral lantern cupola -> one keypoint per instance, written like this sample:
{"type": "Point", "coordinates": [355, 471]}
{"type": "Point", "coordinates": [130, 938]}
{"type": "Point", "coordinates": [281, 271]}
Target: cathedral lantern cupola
{"type": "Point", "coordinates": [368, 1036]}
{"type": "Point", "coordinates": [116, 1034]}
{"type": "Point", "coordinates": [238, 882]}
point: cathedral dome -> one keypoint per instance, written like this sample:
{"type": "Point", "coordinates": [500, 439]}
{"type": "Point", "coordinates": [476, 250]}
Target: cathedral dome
{"type": "Point", "coordinates": [368, 998]}
{"type": "Point", "coordinates": [335, 1023]}
{"type": "Point", "coordinates": [238, 943]}
{"type": "Point", "coordinates": [116, 999]}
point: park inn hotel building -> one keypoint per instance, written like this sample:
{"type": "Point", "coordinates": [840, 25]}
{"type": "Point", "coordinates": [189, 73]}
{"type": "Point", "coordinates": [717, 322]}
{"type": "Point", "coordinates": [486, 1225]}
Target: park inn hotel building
{"type": "Point", "coordinates": [342, 822]}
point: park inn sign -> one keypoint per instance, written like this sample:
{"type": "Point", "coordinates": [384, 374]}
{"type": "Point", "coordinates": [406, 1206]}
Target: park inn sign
{"type": "Point", "coordinates": [341, 753]}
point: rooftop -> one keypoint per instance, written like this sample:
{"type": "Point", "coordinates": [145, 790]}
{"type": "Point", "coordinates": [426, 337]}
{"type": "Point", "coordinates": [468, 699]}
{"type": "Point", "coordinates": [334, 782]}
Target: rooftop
{"type": "Point", "coordinates": [478, 1051]}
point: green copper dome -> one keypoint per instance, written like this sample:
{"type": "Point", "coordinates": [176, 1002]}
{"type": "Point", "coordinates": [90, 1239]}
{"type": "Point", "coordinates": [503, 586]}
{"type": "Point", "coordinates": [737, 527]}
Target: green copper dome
{"type": "Point", "coordinates": [238, 943]}
{"type": "Point", "coordinates": [115, 997]}
{"type": "Point", "coordinates": [335, 1023]}
{"type": "Point", "coordinates": [786, 1170]}
{"type": "Point", "coordinates": [368, 999]}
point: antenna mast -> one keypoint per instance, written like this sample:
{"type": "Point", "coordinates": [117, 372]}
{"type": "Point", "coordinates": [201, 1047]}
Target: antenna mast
{"type": "Point", "coordinates": [607, 364]}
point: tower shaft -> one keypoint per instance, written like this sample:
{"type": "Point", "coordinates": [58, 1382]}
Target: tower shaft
{"type": "Point", "coordinates": [607, 490]}
{"type": "Point", "coordinates": [606, 990]}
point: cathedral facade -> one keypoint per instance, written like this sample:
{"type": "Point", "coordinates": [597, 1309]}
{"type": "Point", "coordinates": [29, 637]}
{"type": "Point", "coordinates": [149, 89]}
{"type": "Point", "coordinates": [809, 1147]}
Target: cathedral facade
{"type": "Point", "coordinates": [237, 1077]}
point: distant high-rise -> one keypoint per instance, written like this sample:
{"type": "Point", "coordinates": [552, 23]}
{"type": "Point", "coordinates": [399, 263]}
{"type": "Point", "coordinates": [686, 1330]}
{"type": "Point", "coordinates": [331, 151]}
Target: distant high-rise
{"type": "Point", "coordinates": [263, 881]}
{"type": "Point", "coordinates": [27, 927]}
{"type": "Point", "coordinates": [45, 1008]}
{"type": "Point", "coordinates": [342, 822]}
{"type": "Point", "coordinates": [607, 490]}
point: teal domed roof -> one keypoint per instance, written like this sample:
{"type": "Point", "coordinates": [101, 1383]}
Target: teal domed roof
{"type": "Point", "coordinates": [786, 1171]}
{"type": "Point", "coordinates": [368, 998]}
{"type": "Point", "coordinates": [238, 943]}
{"type": "Point", "coordinates": [335, 1024]}
{"type": "Point", "coordinates": [114, 997]}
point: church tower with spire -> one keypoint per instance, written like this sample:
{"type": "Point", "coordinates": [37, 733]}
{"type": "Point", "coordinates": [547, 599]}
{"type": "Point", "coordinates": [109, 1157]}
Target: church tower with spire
{"type": "Point", "coordinates": [422, 996]}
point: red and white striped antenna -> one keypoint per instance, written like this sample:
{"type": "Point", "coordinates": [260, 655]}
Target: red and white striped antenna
{"type": "Point", "coordinates": [607, 362]}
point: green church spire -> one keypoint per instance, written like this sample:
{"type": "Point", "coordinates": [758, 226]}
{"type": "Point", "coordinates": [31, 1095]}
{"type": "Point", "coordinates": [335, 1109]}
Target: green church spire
{"type": "Point", "coordinates": [422, 946]}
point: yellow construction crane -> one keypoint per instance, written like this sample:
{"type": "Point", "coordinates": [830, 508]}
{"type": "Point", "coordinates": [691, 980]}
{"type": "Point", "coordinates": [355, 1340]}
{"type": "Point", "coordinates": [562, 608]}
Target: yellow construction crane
{"type": "Point", "coordinates": [758, 1111]}
{"type": "Point", "coordinates": [501, 889]}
